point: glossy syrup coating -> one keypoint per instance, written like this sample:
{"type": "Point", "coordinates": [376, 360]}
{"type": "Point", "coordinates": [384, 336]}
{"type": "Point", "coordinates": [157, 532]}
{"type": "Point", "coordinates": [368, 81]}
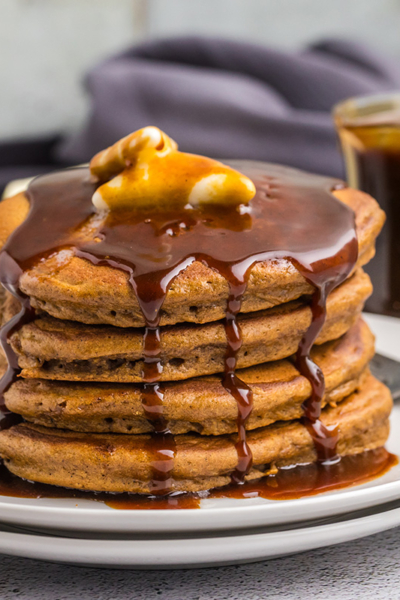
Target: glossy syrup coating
{"type": "Point", "coordinates": [293, 215]}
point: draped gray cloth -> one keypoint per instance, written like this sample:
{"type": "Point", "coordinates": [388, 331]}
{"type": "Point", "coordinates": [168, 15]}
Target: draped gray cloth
{"type": "Point", "coordinates": [231, 99]}
{"type": "Point", "coordinates": [220, 98]}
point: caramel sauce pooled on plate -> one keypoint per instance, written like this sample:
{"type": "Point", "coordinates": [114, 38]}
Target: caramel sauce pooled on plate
{"type": "Point", "coordinates": [287, 484]}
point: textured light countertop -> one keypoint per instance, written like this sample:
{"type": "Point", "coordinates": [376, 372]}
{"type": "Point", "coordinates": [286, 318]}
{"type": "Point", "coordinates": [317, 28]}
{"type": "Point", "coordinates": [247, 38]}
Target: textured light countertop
{"type": "Point", "coordinates": [368, 568]}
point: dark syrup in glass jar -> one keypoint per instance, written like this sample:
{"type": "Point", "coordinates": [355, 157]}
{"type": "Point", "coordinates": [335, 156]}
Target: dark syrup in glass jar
{"type": "Point", "coordinates": [369, 132]}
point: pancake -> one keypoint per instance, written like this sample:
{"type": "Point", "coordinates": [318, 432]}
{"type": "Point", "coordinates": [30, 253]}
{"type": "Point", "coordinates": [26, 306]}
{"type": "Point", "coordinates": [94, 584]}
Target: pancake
{"type": "Point", "coordinates": [3, 363]}
{"type": "Point", "coordinates": [50, 348]}
{"type": "Point", "coordinates": [202, 404]}
{"type": "Point", "coordinates": [122, 463]}
{"type": "Point", "coordinates": [71, 288]}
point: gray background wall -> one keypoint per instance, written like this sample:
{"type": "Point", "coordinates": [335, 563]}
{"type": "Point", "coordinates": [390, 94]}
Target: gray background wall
{"type": "Point", "coordinates": [47, 45]}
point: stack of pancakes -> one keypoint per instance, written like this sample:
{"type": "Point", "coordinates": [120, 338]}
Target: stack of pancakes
{"type": "Point", "coordinates": [80, 388]}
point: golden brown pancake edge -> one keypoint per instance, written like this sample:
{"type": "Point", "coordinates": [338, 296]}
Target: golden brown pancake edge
{"type": "Point", "coordinates": [201, 404]}
{"type": "Point", "coordinates": [50, 348]}
{"type": "Point", "coordinates": [122, 463]}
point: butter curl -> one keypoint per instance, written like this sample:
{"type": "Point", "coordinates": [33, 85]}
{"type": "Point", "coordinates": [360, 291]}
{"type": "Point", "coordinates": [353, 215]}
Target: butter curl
{"type": "Point", "coordinates": [146, 170]}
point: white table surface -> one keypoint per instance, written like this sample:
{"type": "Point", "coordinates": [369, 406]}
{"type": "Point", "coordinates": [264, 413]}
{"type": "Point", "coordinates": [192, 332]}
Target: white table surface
{"type": "Point", "coordinates": [367, 568]}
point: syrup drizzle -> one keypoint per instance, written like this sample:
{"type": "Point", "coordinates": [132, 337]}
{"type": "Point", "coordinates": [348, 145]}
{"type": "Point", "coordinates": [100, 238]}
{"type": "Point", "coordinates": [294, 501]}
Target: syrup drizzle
{"type": "Point", "coordinates": [153, 249]}
{"type": "Point", "coordinates": [325, 437]}
{"type": "Point", "coordinates": [231, 382]}
{"type": "Point", "coordinates": [162, 445]}
{"type": "Point", "coordinates": [10, 282]}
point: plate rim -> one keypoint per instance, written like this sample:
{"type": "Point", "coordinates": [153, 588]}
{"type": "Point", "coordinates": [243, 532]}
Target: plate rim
{"type": "Point", "coordinates": [196, 552]}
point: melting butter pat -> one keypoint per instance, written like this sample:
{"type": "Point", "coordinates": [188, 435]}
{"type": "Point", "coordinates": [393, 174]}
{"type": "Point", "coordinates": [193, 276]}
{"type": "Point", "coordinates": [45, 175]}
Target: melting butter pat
{"type": "Point", "coordinates": [146, 170]}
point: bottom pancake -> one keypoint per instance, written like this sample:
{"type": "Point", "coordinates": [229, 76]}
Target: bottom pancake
{"type": "Point", "coordinates": [122, 463]}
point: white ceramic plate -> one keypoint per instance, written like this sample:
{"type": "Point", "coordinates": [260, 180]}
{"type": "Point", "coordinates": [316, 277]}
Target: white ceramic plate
{"type": "Point", "coordinates": [217, 514]}
{"type": "Point", "coordinates": [201, 551]}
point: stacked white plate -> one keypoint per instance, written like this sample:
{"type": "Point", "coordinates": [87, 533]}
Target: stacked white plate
{"type": "Point", "coordinates": [222, 531]}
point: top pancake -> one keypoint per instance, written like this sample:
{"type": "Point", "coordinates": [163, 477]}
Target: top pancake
{"type": "Point", "coordinates": [71, 288]}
